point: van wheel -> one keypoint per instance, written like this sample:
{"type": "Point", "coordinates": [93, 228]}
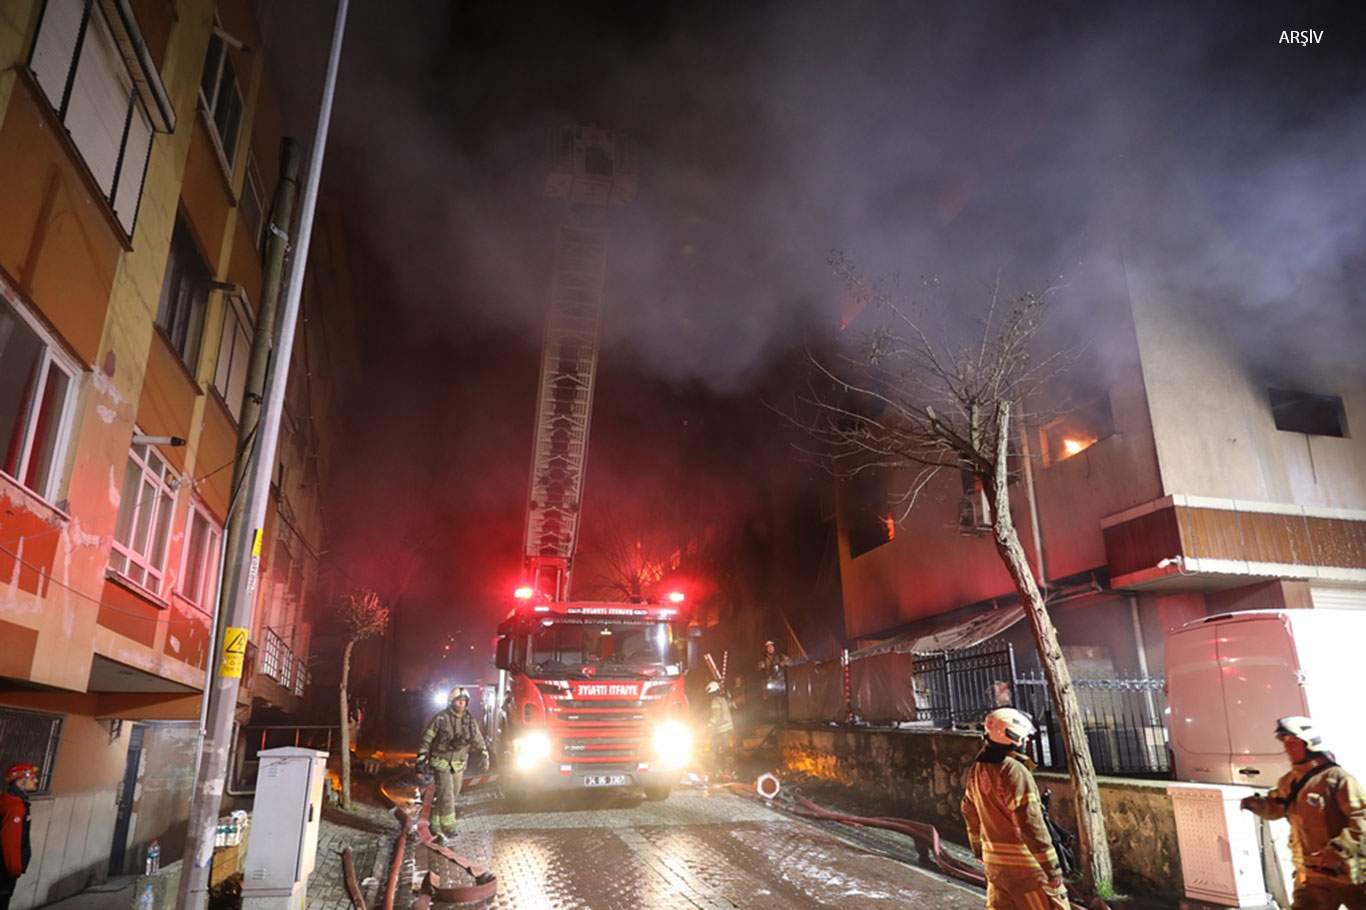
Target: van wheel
{"type": "Point", "coordinates": [657, 794]}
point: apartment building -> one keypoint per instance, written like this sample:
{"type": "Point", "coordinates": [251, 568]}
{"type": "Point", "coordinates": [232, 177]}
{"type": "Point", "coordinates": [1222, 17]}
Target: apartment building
{"type": "Point", "coordinates": [138, 155]}
{"type": "Point", "coordinates": [1188, 475]}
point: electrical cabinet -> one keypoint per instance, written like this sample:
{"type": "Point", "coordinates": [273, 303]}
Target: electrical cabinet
{"type": "Point", "coordinates": [284, 831]}
{"type": "Point", "coordinates": [1221, 859]}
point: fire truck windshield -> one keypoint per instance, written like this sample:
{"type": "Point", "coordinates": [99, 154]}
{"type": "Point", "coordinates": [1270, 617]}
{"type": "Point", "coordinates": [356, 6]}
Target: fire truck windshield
{"type": "Point", "coordinates": [610, 648]}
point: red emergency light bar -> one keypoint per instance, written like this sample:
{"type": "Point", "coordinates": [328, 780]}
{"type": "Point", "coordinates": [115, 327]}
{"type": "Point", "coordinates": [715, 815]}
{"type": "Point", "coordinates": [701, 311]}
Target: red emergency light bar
{"type": "Point", "coordinates": [601, 610]}
{"type": "Point", "coordinates": [675, 597]}
{"type": "Point", "coordinates": [523, 593]}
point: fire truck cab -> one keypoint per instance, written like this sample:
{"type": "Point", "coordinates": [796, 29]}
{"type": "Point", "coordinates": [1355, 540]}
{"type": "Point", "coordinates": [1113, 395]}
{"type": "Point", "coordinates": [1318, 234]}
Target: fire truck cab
{"type": "Point", "coordinates": [591, 695]}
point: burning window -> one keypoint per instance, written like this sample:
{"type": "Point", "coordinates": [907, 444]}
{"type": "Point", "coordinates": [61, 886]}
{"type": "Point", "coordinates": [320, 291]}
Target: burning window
{"type": "Point", "coordinates": [1304, 412]}
{"type": "Point", "coordinates": [867, 511]}
{"type": "Point", "coordinates": [1076, 432]}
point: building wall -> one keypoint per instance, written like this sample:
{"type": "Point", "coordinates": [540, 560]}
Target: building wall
{"type": "Point", "coordinates": [1212, 418]}
{"type": "Point", "coordinates": [105, 649]}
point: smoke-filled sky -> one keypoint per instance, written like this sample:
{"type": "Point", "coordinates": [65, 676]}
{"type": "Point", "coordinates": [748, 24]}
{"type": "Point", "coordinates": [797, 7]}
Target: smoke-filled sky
{"type": "Point", "coordinates": [951, 139]}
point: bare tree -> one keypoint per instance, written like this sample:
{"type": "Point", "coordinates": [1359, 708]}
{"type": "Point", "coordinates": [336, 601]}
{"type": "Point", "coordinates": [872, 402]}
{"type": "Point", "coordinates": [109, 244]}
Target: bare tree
{"type": "Point", "coordinates": [926, 390]}
{"type": "Point", "coordinates": [363, 616]}
{"type": "Point", "coordinates": [626, 561]}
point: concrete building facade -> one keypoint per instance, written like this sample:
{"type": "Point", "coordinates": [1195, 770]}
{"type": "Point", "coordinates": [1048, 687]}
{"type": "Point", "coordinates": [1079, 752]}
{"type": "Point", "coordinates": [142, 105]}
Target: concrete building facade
{"type": "Point", "coordinates": [1184, 479]}
{"type": "Point", "coordinates": [138, 155]}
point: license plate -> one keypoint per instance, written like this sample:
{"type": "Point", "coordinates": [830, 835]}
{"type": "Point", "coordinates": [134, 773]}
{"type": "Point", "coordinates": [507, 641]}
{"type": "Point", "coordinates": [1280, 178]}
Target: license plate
{"type": "Point", "coordinates": [604, 780]}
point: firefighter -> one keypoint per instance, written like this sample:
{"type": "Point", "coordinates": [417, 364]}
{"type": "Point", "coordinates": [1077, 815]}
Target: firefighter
{"type": "Point", "coordinates": [1005, 820]}
{"type": "Point", "coordinates": [1327, 811]}
{"type": "Point", "coordinates": [720, 726]}
{"type": "Point", "coordinates": [771, 666]}
{"type": "Point", "coordinates": [21, 779]}
{"type": "Point", "coordinates": [446, 743]}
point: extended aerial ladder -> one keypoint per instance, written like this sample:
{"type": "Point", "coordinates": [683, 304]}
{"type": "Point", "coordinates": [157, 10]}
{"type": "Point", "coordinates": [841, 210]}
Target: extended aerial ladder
{"type": "Point", "coordinates": [590, 170]}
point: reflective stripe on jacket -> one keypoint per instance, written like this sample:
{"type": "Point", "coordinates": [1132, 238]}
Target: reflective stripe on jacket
{"type": "Point", "coordinates": [720, 720]}
{"type": "Point", "coordinates": [1003, 814]}
{"type": "Point", "coordinates": [1327, 819]}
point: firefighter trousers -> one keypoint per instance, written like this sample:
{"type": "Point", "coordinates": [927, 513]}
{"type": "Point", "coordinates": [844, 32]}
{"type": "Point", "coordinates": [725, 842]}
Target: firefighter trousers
{"type": "Point", "coordinates": [1319, 894]}
{"type": "Point", "coordinates": [449, 779]}
{"type": "Point", "coordinates": [1022, 889]}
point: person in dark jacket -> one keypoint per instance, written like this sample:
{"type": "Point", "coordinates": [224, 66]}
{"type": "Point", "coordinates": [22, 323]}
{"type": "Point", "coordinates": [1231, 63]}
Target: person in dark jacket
{"type": "Point", "coordinates": [1005, 820]}
{"type": "Point", "coordinates": [21, 779]}
{"type": "Point", "coordinates": [1327, 811]}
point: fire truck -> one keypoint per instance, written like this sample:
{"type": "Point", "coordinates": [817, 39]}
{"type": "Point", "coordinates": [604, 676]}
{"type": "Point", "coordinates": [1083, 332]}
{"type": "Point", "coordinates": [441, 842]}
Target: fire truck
{"type": "Point", "coordinates": [590, 694]}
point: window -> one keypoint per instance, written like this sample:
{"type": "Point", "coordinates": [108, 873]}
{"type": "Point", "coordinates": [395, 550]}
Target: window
{"type": "Point", "coordinates": [36, 392]}
{"type": "Point", "coordinates": [199, 565]}
{"type": "Point", "coordinates": [868, 511]}
{"type": "Point", "coordinates": [77, 63]}
{"type": "Point", "coordinates": [286, 666]}
{"type": "Point", "coordinates": [300, 677]}
{"type": "Point", "coordinates": [234, 351]}
{"type": "Point", "coordinates": [220, 97]}
{"type": "Point", "coordinates": [251, 202]}
{"type": "Point", "coordinates": [30, 737]}
{"type": "Point", "coordinates": [184, 295]}
{"type": "Point", "coordinates": [1303, 412]}
{"type": "Point", "coordinates": [1076, 432]}
{"type": "Point", "coordinates": [270, 654]}
{"type": "Point", "coordinates": [144, 522]}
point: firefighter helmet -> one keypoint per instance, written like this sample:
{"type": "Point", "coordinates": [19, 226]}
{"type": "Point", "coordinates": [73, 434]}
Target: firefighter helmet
{"type": "Point", "coordinates": [1009, 727]}
{"type": "Point", "coordinates": [1301, 728]}
{"type": "Point", "coordinates": [713, 687]}
{"type": "Point", "coordinates": [457, 693]}
{"type": "Point", "coordinates": [19, 771]}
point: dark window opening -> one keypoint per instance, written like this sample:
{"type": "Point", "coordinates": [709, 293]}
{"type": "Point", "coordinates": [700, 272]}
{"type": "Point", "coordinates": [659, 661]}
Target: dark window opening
{"type": "Point", "coordinates": [30, 737]}
{"type": "Point", "coordinates": [869, 512]}
{"type": "Point", "coordinates": [1304, 412]}
{"type": "Point", "coordinates": [1077, 431]}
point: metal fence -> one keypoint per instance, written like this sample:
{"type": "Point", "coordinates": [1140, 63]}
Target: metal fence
{"type": "Point", "coordinates": [1124, 718]}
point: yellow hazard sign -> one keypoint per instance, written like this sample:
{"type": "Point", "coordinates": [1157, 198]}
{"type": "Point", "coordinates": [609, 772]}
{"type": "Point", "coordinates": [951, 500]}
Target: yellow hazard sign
{"type": "Point", "coordinates": [234, 651]}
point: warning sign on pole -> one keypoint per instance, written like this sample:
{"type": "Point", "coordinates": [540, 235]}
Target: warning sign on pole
{"type": "Point", "coordinates": [234, 651]}
{"type": "Point", "coordinates": [255, 562]}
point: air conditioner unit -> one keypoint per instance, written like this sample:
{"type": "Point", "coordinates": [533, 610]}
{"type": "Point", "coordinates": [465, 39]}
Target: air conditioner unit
{"type": "Point", "coordinates": [974, 514]}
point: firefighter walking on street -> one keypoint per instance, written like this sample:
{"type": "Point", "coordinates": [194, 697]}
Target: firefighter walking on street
{"type": "Point", "coordinates": [1005, 820]}
{"type": "Point", "coordinates": [446, 744]}
{"type": "Point", "coordinates": [720, 727]}
{"type": "Point", "coordinates": [1326, 807]}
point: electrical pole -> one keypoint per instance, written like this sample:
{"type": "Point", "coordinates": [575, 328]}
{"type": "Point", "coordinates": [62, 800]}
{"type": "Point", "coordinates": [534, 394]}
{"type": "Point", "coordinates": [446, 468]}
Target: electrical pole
{"type": "Point", "coordinates": [240, 575]}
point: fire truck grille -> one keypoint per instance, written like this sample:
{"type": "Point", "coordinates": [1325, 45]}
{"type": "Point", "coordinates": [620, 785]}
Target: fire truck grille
{"type": "Point", "coordinates": [614, 704]}
{"type": "Point", "coordinates": [603, 717]}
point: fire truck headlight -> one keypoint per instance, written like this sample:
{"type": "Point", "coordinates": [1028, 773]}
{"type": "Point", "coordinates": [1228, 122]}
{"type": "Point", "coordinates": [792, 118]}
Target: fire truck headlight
{"type": "Point", "coordinates": [530, 749]}
{"type": "Point", "coordinates": [673, 744]}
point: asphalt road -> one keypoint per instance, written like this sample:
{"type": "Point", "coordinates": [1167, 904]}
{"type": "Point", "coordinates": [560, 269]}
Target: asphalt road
{"type": "Point", "coordinates": [604, 850]}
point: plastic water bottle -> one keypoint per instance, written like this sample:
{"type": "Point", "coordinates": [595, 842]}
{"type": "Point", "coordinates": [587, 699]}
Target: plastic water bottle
{"type": "Point", "coordinates": [153, 858]}
{"type": "Point", "coordinates": [148, 900]}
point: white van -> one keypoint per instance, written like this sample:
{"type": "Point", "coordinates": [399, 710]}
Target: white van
{"type": "Point", "coordinates": [1230, 676]}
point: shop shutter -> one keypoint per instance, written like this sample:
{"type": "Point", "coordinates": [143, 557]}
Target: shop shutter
{"type": "Point", "coordinates": [1339, 598]}
{"type": "Point", "coordinates": [55, 47]}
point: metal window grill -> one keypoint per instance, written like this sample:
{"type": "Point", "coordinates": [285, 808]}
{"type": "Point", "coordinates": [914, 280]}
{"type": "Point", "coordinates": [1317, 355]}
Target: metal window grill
{"type": "Point", "coordinates": [286, 667]}
{"type": "Point", "coordinates": [32, 737]}
{"type": "Point", "coordinates": [300, 677]}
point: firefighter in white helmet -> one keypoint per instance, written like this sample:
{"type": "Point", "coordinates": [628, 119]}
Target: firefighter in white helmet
{"type": "Point", "coordinates": [1005, 820]}
{"type": "Point", "coordinates": [447, 741]}
{"type": "Point", "coordinates": [1327, 811]}
{"type": "Point", "coordinates": [720, 727]}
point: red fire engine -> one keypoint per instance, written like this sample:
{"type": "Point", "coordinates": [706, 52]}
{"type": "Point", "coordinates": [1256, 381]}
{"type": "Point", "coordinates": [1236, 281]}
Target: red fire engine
{"type": "Point", "coordinates": [590, 694]}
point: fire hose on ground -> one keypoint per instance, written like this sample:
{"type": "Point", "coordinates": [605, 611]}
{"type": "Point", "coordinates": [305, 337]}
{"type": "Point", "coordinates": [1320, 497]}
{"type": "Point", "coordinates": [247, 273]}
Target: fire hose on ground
{"type": "Point", "coordinates": [485, 883]}
{"type": "Point", "coordinates": [925, 835]}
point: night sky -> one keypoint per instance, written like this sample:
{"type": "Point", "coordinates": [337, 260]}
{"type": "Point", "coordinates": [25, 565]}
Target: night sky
{"type": "Point", "coordinates": [960, 140]}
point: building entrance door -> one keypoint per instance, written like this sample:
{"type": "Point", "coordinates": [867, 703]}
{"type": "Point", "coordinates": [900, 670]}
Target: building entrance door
{"type": "Point", "coordinates": [127, 791]}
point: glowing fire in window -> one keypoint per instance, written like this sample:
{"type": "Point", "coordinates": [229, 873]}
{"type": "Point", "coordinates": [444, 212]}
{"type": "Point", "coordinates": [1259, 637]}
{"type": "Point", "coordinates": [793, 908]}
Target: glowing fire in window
{"type": "Point", "coordinates": [890, 523]}
{"type": "Point", "coordinates": [1073, 446]}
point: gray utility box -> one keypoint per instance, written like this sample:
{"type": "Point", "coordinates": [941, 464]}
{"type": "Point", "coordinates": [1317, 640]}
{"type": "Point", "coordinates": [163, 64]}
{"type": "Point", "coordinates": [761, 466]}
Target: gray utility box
{"type": "Point", "coordinates": [284, 830]}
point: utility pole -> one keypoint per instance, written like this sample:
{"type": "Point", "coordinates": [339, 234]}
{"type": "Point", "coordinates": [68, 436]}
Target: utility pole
{"type": "Point", "coordinates": [244, 558]}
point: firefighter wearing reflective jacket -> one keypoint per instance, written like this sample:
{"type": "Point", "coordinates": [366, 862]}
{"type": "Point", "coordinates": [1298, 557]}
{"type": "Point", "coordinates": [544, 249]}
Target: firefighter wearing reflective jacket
{"type": "Point", "coordinates": [1327, 811]}
{"type": "Point", "coordinates": [446, 743]}
{"type": "Point", "coordinates": [720, 726]}
{"type": "Point", "coordinates": [1005, 821]}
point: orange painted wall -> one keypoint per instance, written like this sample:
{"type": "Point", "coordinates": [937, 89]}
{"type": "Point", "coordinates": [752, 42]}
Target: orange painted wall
{"type": "Point", "coordinates": [217, 445]}
{"type": "Point", "coordinates": [58, 243]}
{"type": "Point", "coordinates": [205, 195]}
{"type": "Point", "coordinates": [168, 398]}
{"type": "Point", "coordinates": [245, 267]}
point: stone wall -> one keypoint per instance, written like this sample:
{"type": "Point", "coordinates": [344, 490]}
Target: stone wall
{"type": "Point", "coordinates": [918, 774]}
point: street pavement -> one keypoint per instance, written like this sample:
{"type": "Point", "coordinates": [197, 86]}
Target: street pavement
{"type": "Point", "coordinates": [709, 849]}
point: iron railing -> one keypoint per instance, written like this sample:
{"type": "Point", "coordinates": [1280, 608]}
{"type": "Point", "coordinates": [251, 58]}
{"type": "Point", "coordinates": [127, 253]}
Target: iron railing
{"type": "Point", "coordinates": [1124, 717]}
